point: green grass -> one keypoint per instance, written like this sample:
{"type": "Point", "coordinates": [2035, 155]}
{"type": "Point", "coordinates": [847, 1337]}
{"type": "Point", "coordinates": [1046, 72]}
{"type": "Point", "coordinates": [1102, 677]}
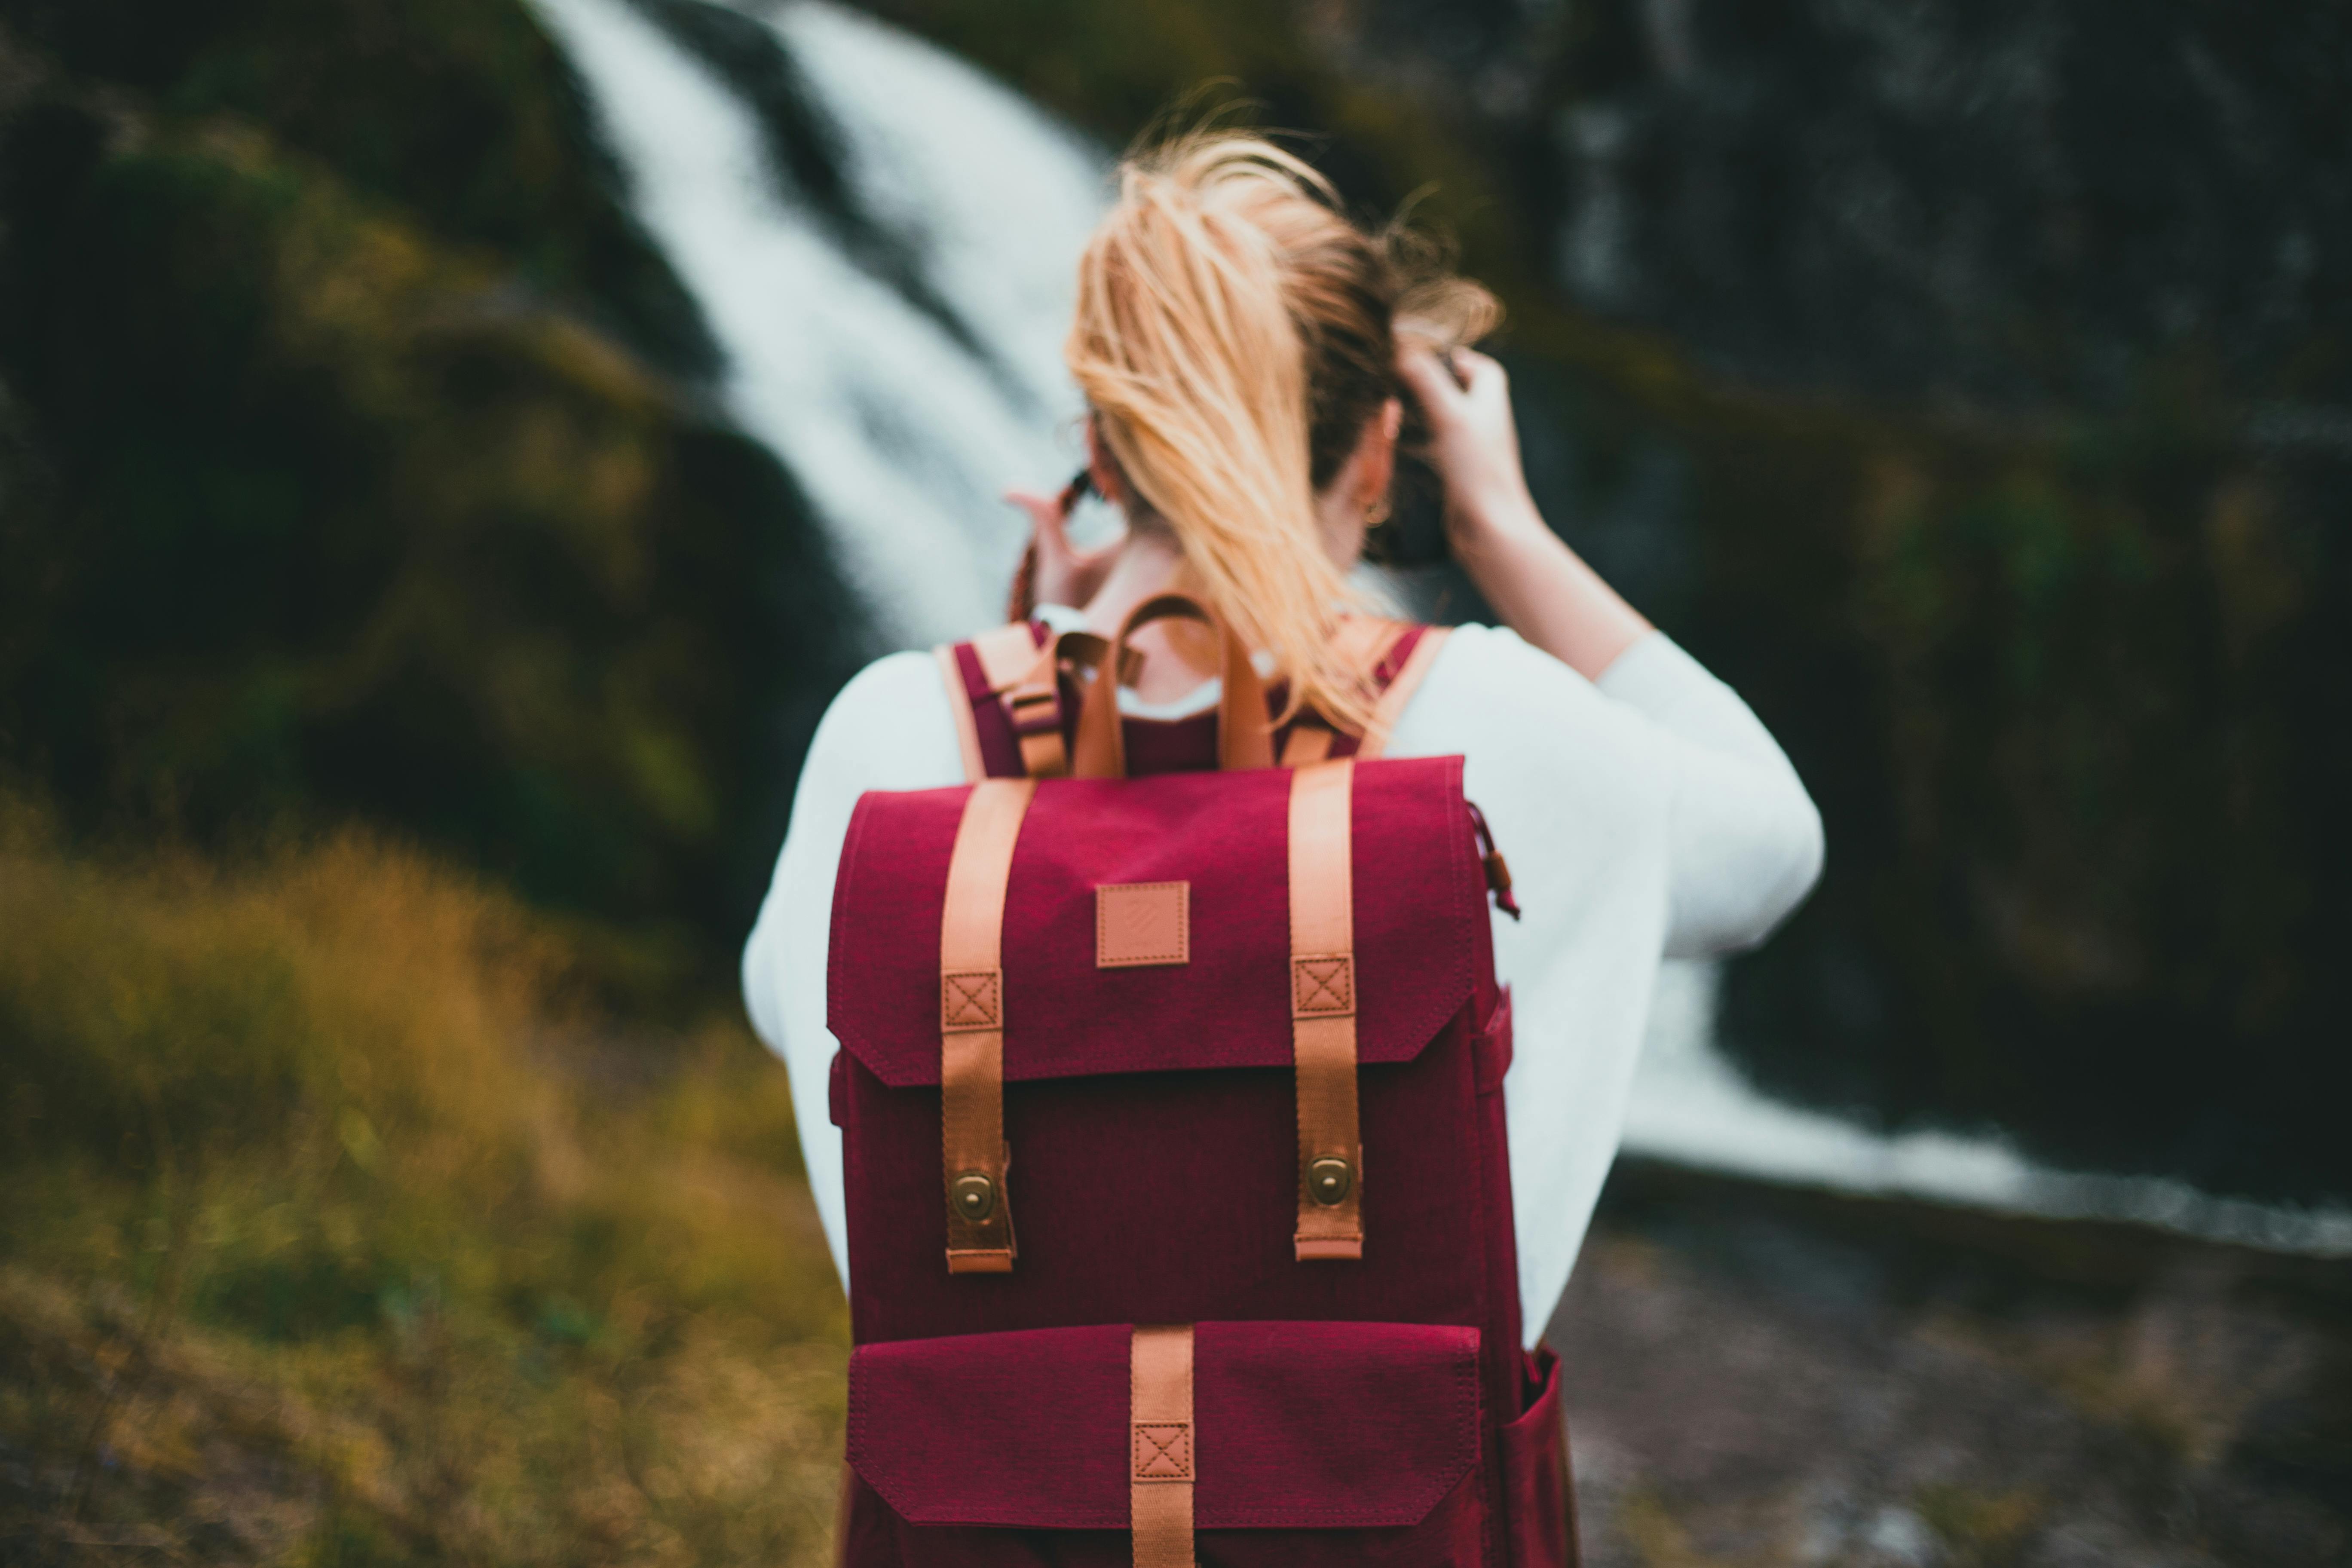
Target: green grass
{"type": "Point", "coordinates": [344, 1228]}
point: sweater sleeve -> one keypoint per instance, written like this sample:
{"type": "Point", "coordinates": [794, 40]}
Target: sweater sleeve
{"type": "Point", "coordinates": [889, 729]}
{"type": "Point", "coordinates": [1744, 838]}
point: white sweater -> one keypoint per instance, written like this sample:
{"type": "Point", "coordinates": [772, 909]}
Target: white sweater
{"type": "Point", "coordinates": [1646, 816]}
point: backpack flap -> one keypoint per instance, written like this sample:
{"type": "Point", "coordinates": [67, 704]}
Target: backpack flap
{"type": "Point", "coordinates": [1147, 923]}
{"type": "Point", "coordinates": [1295, 1425]}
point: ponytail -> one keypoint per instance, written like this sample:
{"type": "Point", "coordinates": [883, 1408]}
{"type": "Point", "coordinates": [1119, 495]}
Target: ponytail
{"type": "Point", "coordinates": [1235, 332]}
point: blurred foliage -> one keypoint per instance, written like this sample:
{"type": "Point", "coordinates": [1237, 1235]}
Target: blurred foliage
{"type": "Point", "coordinates": [350, 476]}
{"type": "Point", "coordinates": [342, 1230]}
{"type": "Point", "coordinates": [458, 113]}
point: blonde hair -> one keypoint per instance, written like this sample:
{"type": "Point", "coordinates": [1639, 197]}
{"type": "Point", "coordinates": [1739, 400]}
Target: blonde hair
{"type": "Point", "coordinates": [1235, 333]}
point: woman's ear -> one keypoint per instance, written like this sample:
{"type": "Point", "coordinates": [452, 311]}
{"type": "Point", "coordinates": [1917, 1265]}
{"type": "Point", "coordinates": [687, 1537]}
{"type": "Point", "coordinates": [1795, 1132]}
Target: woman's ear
{"type": "Point", "coordinates": [1354, 499]}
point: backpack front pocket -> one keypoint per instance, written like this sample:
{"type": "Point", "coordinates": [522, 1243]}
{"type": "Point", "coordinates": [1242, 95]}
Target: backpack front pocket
{"type": "Point", "coordinates": [1298, 1444]}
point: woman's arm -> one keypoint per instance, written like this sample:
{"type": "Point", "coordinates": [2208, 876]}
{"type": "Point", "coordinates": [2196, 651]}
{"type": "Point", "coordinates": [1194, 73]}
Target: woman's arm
{"type": "Point", "coordinates": [1541, 588]}
{"type": "Point", "coordinates": [1744, 840]}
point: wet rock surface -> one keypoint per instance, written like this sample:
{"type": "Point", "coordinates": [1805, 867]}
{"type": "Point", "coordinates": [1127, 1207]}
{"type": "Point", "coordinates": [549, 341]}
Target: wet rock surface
{"type": "Point", "coordinates": [1762, 1376]}
{"type": "Point", "coordinates": [2004, 205]}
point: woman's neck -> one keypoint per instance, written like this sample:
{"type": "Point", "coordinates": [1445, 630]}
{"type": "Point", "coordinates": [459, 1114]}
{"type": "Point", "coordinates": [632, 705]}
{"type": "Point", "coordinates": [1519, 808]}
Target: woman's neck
{"type": "Point", "coordinates": [1148, 564]}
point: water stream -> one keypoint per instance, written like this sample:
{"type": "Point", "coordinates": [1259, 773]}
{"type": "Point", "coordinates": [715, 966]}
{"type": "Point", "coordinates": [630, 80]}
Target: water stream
{"type": "Point", "coordinates": [902, 436]}
{"type": "Point", "coordinates": [906, 410]}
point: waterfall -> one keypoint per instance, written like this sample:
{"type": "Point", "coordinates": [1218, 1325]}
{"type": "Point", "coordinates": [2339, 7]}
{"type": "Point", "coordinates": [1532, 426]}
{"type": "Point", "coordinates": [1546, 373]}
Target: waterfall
{"type": "Point", "coordinates": [902, 436]}
{"type": "Point", "coordinates": [1692, 1107]}
{"type": "Point", "coordinates": [905, 409]}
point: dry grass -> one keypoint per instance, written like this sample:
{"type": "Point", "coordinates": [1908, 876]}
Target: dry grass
{"type": "Point", "coordinates": [336, 1235]}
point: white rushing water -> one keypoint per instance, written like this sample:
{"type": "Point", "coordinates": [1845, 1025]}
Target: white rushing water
{"type": "Point", "coordinates": [1692, 1105]}
{"type": "Point", "coordinates": [904, 439]}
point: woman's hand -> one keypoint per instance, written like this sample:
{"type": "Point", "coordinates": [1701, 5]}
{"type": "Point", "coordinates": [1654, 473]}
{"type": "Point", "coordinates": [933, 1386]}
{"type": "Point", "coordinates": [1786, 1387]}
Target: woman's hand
{"type": "Point", "coordinates": [1467, 398]}
{"type": "Point", "coordinates": [1541, 588]}
{"type": "Point", "coordinates": [1059, 572]}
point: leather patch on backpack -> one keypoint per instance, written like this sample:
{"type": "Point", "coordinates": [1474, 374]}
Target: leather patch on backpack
{"type": "Point", "coordinates": [1141, 923]}
{"type": "Point", "coordinates": [1322, 985]}
{"type": "Point", "coordinates": [1163, 1450]}
{"type": "Point", "coordinates": [970, 999]}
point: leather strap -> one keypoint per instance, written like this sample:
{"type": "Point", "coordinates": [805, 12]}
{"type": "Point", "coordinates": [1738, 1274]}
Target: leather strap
{"type": "Point", "coordinates": [1307, 744]}
{"type": "Point", "coordinates": [1400, 691]}
{"type": "Point", "coordinates": [1006, 653]}
{"type": "Point", "coordinates": [1323, 1011]}
{"type": "Point", "coordinates": [975, 767]}
{"type": "Point", "coordinates": [1034, 705]}
{"type": "Point", "coordinates": [1026, 676]}
{"type": "Point", "coordinates": [1161, 1461]}
{"type": "Point", "coordinates": [971, 1028]}
{"type": "Point", "coordinates": [1243, 737]}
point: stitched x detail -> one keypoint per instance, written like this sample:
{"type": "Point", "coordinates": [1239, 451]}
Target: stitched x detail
{"type": "Point", "coordinates": [1163, 1451]}
{"type": "Point", "coordinates": [968, 999]}
{"type": "Point", "coordinates": [1323, 985]}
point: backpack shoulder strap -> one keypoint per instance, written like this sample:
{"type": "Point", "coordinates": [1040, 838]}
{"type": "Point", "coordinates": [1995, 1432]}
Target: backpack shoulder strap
{"type": "Point", "coordinates": [990, 682]}
{"type": "Point", "coordinates": [1393, 656]}
{"type": "Point", "coordinates": [1005, 689]}
{"type": "Point", "coordinates": [1397, 677]}
{"type": "Point", "coordinates": [959, 707]}
{"type": "Point", "coordinates": [1013, 696]}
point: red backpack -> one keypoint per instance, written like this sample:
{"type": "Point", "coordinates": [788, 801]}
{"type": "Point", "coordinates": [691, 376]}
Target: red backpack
{"type": "Point", "coordinates": [1171, 1094]}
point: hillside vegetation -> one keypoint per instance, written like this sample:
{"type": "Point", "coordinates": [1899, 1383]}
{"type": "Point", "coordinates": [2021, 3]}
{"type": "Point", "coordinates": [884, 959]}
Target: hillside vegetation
{"type": "Point", "coordinates": [355, 459]}
{"type": "Point", "coordinates": [343, 1228]}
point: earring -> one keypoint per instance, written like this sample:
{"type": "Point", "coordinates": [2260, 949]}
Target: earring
{"type": "Point", "coordinates": [1376, 513]}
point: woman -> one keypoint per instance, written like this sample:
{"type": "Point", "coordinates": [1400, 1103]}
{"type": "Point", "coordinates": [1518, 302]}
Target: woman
{"type": "Point", "coordinates": [1243, 349]}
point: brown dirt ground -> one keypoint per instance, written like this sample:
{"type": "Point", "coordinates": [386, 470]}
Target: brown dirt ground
{"type": "Point", "coordinates": [1761, 1376]}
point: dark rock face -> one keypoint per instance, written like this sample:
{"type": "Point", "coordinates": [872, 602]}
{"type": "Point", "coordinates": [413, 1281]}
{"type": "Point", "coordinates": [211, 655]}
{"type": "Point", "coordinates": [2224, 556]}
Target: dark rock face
{"type": "Point", "coordinates": [2004, 353]}
{"type": "Point", "coordinates": [2070, 674]}
{"type": "Point", "coordinates": [2016, 205]}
